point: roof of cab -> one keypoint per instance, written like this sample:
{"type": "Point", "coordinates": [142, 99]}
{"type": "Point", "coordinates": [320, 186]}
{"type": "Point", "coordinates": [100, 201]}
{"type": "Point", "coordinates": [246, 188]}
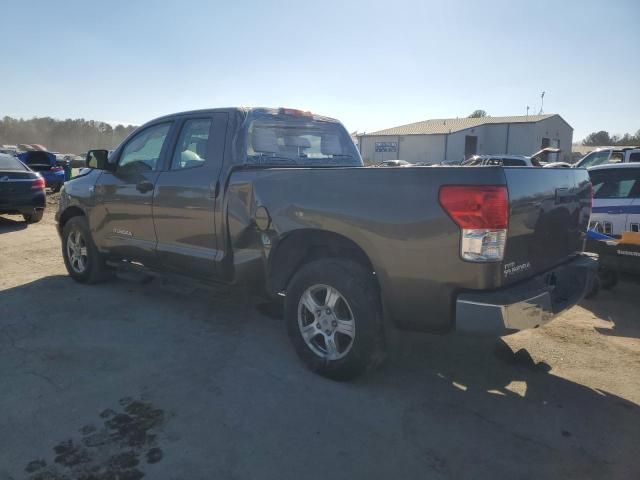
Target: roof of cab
{"type": "Point", "coordinates": [607, 166]}
{"type": "Point", "coordinates": [243, 111]}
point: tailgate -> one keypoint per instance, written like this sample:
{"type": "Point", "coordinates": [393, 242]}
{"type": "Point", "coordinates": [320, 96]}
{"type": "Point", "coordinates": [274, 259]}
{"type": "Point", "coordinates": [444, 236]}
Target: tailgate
{"type": "Point", "coordinates": [548, 217]}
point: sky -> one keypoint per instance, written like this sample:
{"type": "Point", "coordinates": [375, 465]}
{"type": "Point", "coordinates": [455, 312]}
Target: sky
{"type": "Point", "coordinates": [371, 64]}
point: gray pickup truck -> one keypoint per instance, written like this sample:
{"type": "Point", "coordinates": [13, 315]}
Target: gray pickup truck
{"type": "Point", "coordinates": [279, 200]}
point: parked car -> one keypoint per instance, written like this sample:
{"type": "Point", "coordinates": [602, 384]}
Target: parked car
{"type": "Point", "coordinates": [278, 199]}
{"type": "Point", "coordinates": [557, 165]}
{"type": "Point", "coordinates": [21, 190]}
{"type": "Point", "coordinates": [394, 163]}
{"type": "Point", "coordinates": [616, 198]}
{"type": "Point", "coordinates": [535, 160]}
{"type": "Point", "coordinates": [47, 165]}
{"type": "Point", "coordinates": [604, 155]}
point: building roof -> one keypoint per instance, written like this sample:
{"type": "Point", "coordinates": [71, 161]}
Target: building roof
{"type": "Point", "coordinates": [450, 125]}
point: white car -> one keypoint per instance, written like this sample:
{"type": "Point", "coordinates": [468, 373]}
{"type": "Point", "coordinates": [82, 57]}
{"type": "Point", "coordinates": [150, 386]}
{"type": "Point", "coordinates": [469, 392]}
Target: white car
{"type": "Point", "coordinates": [616, 198]}
{"type": "Point", "coordinates": [604, 155]}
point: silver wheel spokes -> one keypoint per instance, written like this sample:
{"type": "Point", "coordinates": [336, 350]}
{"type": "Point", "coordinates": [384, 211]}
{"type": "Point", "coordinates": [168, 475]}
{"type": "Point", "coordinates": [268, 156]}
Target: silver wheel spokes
{"type": "Point", "coordinates": [326, 322]}
{"type": "Point", "coordinates": [77, 251]}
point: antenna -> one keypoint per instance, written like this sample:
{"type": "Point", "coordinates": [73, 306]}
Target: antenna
{"type": "Point", "coordinates": [541, 103]}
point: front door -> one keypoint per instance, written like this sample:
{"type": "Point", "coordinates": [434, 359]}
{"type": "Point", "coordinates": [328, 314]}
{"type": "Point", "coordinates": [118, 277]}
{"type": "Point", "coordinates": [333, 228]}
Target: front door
{"type": "Point", "coordinates": [186, 193]}
{"type": "Point", "coordinates": [124, 198]}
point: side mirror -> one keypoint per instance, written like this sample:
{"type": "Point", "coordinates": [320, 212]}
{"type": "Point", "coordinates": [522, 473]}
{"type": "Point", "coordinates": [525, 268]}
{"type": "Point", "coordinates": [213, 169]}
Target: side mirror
{"type": "Point", "coordinates": [99, 160]}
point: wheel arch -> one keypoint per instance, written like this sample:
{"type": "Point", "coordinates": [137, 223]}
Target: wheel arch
{"type": "Point", "coordinates": [305, 245]}
{"type": "Point", "coordinates": [68, 214]}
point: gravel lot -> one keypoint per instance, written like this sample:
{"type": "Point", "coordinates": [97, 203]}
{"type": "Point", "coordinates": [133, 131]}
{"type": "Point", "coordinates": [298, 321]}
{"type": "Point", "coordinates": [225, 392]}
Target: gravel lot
{"type": "Point", "coordinates": [125, 380]}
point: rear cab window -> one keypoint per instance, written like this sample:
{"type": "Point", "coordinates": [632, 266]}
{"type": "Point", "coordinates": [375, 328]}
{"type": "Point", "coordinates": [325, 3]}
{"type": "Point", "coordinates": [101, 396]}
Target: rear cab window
{"type": "Point", "coordinates": [292, 138]}
{"type": "Point", "coordinates": [616, 183]}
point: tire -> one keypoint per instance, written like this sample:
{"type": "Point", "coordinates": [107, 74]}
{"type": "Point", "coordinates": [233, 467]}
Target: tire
{"type": "Point", "coordinates": [34, 217]}
{"type": "Point", "coordinates": [350, 340]}
{"type": "Point", "coordinates": [94, 268]}
{"type": "Point", "coordinates": [56, 188]}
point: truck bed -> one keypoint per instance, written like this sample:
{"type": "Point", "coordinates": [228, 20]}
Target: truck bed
{"type": "Point", "coordinates": [395, 217]}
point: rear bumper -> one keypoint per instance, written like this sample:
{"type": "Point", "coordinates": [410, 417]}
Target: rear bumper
{"type": "Point", "coordinates": [528, 304]}
{"type": "Point", "coordinates": [23, 203]}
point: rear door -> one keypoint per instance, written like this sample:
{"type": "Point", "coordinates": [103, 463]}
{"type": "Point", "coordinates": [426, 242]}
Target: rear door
{"type": "Point", "coordinates": [123, 215]}
{"type": "Point", "coordinates": [186, 194]}
{"type": "Point", "coordinates": [548, 218]}
{"type": "Point", "coordinates": [614, 193]}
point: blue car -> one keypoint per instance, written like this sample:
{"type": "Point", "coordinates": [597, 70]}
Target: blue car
{"type": "Point", "coordinates": [45, 164]}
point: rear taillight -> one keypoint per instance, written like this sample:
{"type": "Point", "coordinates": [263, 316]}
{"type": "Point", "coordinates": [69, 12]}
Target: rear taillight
{"type": "Point", "coordinates": [482, 213]}
{"type": "Point", "coordinates": [38, 184]}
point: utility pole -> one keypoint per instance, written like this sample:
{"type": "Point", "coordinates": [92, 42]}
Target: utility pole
{"type": "Point", "coordinates": [541, 103]}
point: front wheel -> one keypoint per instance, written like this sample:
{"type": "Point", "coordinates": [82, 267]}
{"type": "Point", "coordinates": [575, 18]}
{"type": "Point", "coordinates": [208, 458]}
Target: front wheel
{"type": "Point", "coordinates": [81, 257]}
{"type": "Point", "coordinates": [334, 318]}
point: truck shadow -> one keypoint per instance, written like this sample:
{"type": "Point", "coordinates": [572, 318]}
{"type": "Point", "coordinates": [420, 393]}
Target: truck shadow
{"type": "Point", "coordinates": [446, 406]}
{"type": "Point", "coordinates": [10, 225]}
{"type": "Point", "coordinates": [616, 306]}
{"type": "Point", "coordinates": [499, 402]}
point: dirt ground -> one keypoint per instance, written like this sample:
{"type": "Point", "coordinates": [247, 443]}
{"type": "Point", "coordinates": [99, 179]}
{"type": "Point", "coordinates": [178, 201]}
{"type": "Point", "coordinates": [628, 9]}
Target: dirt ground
{"type": "Point", "coordinates": [129, 380]}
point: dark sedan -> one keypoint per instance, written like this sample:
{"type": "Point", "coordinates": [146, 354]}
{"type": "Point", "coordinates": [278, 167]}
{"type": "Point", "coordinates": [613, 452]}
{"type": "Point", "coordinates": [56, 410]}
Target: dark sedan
{"type": "Point", "coordinates": [21, 190]}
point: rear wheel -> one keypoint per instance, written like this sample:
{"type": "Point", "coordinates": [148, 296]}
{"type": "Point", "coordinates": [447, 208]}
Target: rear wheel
{"type": "Point", "coordinates": [81, 257]}
{"type": "Point", "coordinates": [334, 319]}
{"type": "Point", "coordinates": [34, 217]}
{"type": "Point", "coordinates": [56, 188]}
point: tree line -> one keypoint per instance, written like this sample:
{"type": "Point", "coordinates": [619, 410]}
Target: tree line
{"type": "Point", "coordinates": [64, 136]}
{"type": "Point", "coordinates": [603, 138]}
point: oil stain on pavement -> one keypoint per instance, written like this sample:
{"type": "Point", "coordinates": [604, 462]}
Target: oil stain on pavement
{"type": "Point", "coordinates": [114, 451]}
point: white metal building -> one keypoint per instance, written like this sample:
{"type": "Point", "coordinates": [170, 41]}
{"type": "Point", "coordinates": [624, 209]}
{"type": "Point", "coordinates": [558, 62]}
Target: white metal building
{"type": "Point", "coordinates": [456, 139]}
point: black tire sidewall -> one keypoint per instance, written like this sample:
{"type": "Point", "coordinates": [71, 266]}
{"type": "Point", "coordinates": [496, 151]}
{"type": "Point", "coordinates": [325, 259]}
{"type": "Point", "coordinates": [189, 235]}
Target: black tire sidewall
{"type": "Point", "coordinates": [33, 217]}
{"type": "Point", "coordinates": [95, 267]}
{"type": "Point", "coordinates": [356, 285]}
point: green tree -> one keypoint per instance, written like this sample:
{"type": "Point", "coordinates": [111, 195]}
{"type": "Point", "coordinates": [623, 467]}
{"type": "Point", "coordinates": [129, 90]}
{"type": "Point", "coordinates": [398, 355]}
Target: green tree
{"type": "Point", "coordinates": [597, 138]}
{"type": "Point", "coordinates": [478, 114]}
{"type": "Point", "coordinates": [65, 136]}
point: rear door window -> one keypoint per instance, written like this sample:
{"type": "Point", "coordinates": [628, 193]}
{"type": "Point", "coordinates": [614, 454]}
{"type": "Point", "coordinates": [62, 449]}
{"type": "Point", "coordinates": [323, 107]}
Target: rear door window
{"type": "Point", "coordinates": [634, 157]}
{"type": "Point", "coordinates": [191, 149]}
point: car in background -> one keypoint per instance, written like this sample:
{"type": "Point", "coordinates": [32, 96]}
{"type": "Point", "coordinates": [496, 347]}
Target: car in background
{"type": "Point", "coordinates": [395, 163]}
{"type": "Point", "coordinates": [605, 155]}
{"type": "Point", "coordinates": [535, 160]}
{"type": "Point", "coordinates": [557, 165]}
{"type": "Point", "coordinates": [21, 190]}
{"type": "Point", "coordinates": [616, 198]}
{"type": "Point", "coordinates": [47, 165]}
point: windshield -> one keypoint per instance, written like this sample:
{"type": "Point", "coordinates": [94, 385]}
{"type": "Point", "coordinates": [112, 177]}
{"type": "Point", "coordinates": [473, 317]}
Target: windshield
{"type": "Point", "coordinates": [594, 158]}
{"type": "Point", "coordinates": [284, 139]}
